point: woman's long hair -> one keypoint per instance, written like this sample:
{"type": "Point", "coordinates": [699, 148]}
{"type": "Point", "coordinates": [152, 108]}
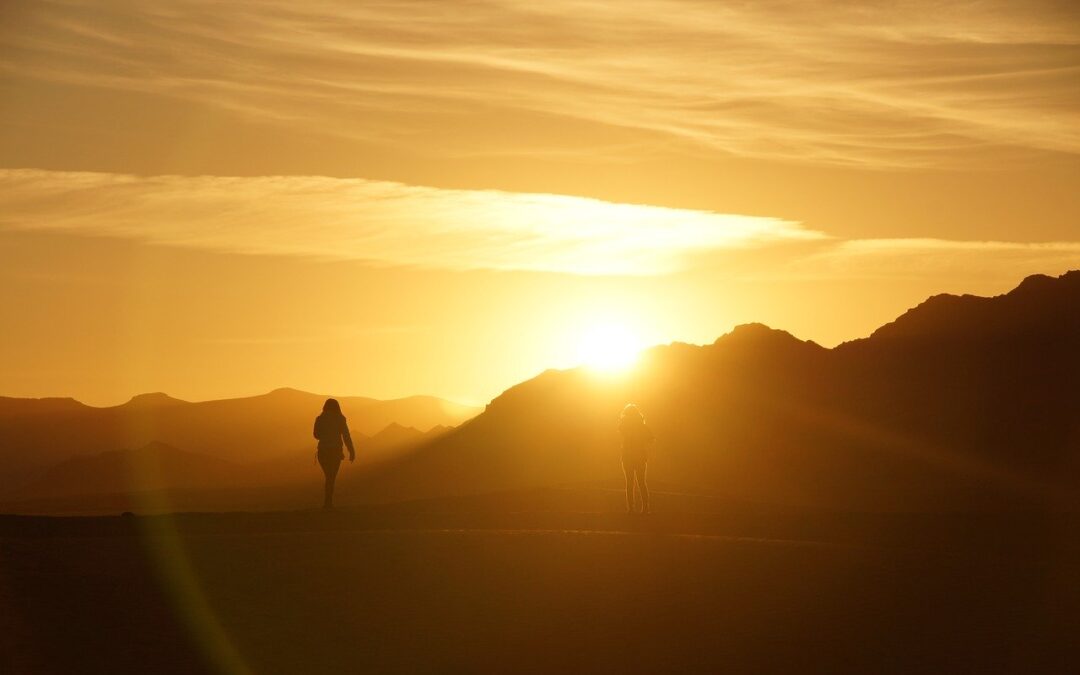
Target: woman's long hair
{"type": "Point", "coordinates": [633, 413]}
{"type": "Point", "coordinates": [332, 407]}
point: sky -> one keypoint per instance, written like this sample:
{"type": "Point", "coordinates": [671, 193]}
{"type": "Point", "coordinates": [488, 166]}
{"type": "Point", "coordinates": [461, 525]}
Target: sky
{"type": "Point", "coordinates": [215, 199]}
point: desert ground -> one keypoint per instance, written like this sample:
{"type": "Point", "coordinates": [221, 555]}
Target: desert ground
{"type": "Point", "coordinates": [553, 580]}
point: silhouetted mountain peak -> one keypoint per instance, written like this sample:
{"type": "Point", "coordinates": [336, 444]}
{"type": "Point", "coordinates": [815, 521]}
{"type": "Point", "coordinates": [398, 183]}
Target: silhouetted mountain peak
{"type": "Point", "coordinates": [1039, 300]}
{"type": "Point", "coordinates": [289, 393]}
{"type": "Point", "coordinates": [397, 432]}
{"type": "Point", "coordinates": [152, 400]}
{"type": "Point", "coordinates": [1041, 284]}
{"type": "Point", "coordinates": [752, 331]}
{"type": "Point", "coordinates": [1036, 282]}
{"type": "Point", "coordinates": [753, 335]}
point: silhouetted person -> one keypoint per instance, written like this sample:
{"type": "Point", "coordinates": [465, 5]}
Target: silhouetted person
{"type": "Point", "coordinates": [637, 438]}
{"type": "Point", "coordinates": [331, 429]}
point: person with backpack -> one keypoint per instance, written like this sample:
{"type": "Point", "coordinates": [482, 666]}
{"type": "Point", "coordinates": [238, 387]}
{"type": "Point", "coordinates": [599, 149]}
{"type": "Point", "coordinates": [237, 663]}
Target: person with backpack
{"type": "Point", "coordinates": [637, 439]}
{"type": "Point", "coordinates": [331, 430]}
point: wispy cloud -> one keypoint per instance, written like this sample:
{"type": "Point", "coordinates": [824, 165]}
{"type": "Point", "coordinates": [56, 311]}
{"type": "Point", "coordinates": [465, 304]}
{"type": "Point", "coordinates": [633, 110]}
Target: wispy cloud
{"type": "Point", "coordinates": [379, 222]}
{"type": "Point", "coordinates": [880, 84]}
{"type": "Point", "coordinates": [919, 258]}
{"type": "Point", "coordinates": [391, 224]}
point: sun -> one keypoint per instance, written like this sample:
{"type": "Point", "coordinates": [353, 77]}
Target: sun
{"type": "Point", "coordinates": [608, 347]}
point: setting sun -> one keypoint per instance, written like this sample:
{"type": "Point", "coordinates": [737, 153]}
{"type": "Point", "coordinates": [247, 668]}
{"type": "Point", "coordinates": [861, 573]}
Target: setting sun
{"type": "Point", "coordinates": [643, 336]}
{"type": "Point", "coordinates": [608, 347]}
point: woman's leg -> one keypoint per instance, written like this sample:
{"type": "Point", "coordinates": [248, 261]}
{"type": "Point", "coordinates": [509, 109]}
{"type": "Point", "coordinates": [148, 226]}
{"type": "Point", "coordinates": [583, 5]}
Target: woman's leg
{"type": "Point", "coordinates": [628, 471]}
{"type": "Point", "coordinates": [642, 488]}
{"type": "Point", "coordinates": [330, 470]}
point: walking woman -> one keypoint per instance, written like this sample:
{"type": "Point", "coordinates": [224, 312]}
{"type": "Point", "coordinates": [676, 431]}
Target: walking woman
{"type": "Point", "coordinates": [331, 429]}
{"type": "Point", "coordinates": [637, 439]}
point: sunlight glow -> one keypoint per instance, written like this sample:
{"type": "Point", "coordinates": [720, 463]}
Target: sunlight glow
{"type": "Point", "coordinates": [609, 347]}
{"type": "Point", "coordinates": [382, 223]}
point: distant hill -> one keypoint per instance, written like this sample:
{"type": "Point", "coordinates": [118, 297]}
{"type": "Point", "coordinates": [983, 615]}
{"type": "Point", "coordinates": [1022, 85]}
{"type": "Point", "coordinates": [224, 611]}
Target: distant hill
{"type": "Point", "coordinates": [38, 433]}
{"type": "Point", "coordinates": [155, 466]}
{"type": "Point", "coordinates": [961, 403]}
{"type": "Point", "coordinates": [19, 407]}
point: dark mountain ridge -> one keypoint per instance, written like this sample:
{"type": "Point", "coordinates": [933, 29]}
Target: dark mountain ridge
{"type": "Point", "coordinates": [152, 400]}
{"type": "Point", "coordinates": [960, 403]}
{"type": "Point", "coordinates": [1029, 310]}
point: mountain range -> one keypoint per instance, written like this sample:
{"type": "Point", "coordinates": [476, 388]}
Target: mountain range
{"type": "Point", "coordinates": [962, 403]}
{"type": "Point", "coordinates": [267, 432]}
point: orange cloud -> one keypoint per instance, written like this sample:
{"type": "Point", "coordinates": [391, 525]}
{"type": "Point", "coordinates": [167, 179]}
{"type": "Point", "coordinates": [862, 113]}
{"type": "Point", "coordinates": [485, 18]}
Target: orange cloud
{"type": "Point", "coordinates": [921, 258]}
{"type": "Point", "coordinates": [392, 224]}
{"type": "Point", "coordinates": [876, 84]}
{"type": "Point", "coordinates": [380, 222]}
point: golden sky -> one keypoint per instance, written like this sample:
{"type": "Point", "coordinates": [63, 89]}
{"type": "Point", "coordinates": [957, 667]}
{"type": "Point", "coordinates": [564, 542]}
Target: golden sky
{"type": "Point", "coordinates": [219, 198]}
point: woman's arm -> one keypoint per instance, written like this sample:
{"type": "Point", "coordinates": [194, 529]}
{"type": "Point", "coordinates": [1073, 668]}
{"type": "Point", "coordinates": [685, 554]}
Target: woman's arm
{"type": "Point", "coordinates": [348, 439]}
